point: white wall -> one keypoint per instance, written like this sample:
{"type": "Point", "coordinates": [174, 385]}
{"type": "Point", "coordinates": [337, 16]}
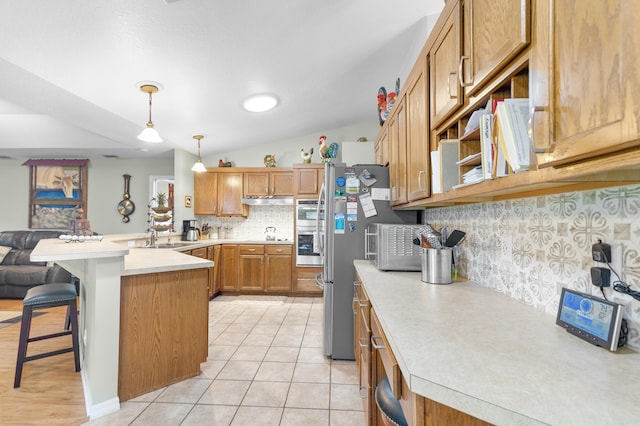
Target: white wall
{"type": "Point", "coordinates": [105, 190]}
{"type": "Point", "coordinates": [287, 152]}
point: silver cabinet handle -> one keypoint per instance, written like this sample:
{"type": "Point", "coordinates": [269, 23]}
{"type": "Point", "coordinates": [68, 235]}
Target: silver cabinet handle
{"type": "Point", "coordinates": [532, 113]}
{"type": "Point", "coordinates": [449, 85]}
{"type": "Point", "coordinates": [420, 187]}
{"type": "Point", "coordinates": [363, 345]}
{"type": "Point", "coordinates": [461, 72]}
{"type": "Point", "coordinates": [374, 344]}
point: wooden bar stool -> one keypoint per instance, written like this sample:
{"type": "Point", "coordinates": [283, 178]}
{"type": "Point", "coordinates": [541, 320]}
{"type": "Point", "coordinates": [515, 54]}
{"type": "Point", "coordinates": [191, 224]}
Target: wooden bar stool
{"type": "Point", "coordinates": [41, 297]}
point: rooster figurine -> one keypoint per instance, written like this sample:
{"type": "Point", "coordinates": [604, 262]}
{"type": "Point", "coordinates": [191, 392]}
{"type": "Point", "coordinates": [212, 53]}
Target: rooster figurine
{"type": "Point", "coordinates": [224, 164]}
{"type": "Point", "coordinates": [306, 155]}
{"type": "Point", "coordinates": [327, 152]}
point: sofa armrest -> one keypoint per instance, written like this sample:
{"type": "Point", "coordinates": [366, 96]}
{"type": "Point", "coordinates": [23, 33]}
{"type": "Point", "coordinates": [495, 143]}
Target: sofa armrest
{"type": "Point", "coordinates": [57, 274]}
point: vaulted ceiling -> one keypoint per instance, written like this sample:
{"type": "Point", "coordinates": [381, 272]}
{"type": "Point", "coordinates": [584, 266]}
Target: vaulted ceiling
{"type": "Point", "coordinates": [70, 70]}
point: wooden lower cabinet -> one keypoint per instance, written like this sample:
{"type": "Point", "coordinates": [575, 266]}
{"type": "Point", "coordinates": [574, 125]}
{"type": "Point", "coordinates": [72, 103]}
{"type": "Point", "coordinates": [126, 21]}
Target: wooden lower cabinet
{"type": "Point", "coordinates": [214, 252]}
{"type": "Point", "coordinates": [228, 267]}
{"type": "Point", "coordinates": [277, 274]}
{"type": "Point", "coordinates": [164, 324]}
{"type": "Point", "coordinates": [418, 410]}
{"type": "Point", "coordinates": [362, 350]}
{"type": "Point", "coordinates": [305, 282]}
{"type": "Point", "coordinates": [251, 267]}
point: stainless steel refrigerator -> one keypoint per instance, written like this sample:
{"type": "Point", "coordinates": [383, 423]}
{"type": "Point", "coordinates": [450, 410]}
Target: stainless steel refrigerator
{"type": "Point", "coordinates": [351, 198]}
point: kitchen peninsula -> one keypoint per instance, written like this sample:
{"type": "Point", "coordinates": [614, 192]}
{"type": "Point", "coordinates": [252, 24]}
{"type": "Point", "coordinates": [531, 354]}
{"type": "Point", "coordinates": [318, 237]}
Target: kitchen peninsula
{"type": "Point", "coordinates": [144, 316]}
{"type": "Point", "coordinates": [468, 348]}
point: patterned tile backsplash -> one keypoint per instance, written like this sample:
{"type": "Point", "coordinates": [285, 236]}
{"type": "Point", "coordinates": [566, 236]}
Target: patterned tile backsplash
{"type": "Point", "coordinates": [551, 240]}
{"type": "Point", "coordinates": [253, 227]}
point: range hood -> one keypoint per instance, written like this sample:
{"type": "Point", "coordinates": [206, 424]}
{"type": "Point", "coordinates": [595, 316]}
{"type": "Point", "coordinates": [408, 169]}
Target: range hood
{"type": "Point", "coordinates": [268, 201]}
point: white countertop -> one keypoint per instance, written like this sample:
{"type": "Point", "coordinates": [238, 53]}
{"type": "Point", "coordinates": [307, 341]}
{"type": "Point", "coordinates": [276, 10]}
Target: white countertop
{"type": "Point", "coordinates": [51, 249]}
{"type": "Point", "coordinates": [149, 260]}
{"type": "Point", "coordinates": [497, 359]}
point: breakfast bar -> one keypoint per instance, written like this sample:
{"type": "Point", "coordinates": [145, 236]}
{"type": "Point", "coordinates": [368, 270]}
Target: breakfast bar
{"type": "Point", "coordinates": [486, 355]}
{"type": "Point", "coordinates": [116, 281]}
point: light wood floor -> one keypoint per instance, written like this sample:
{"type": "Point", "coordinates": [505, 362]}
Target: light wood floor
{"type": "Point", "coordinates": [51, 390]}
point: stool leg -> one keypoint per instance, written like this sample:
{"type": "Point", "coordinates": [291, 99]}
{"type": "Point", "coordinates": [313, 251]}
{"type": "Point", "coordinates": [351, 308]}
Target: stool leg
{"type": "Point", "coordinates": [25, 326]}
{"type": "Point", "coordinates": [73, 322]}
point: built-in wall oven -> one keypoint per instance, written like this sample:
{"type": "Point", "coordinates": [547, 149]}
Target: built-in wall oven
{"type": "Point", "coordinates": [307, 240]}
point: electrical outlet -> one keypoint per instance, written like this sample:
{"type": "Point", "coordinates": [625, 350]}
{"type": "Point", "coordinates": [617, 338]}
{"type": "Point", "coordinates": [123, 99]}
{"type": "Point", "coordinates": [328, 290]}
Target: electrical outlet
{"type": "Point", "coordinates": [506, 248]}
{"type": "Point", "coordinates": [615, 262]}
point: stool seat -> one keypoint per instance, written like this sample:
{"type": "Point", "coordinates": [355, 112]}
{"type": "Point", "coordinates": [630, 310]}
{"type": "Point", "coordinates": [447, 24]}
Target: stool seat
{"type": "Point", "coordinates": [49, 293]}
{"type": "Point", "coordinates": [388, 405]}
{"type": "Point", "coordinates": [48, 296]}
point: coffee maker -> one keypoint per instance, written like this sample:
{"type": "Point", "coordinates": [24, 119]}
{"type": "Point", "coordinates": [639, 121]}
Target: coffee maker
{"type": "Point", "coordinates": [190, 230]}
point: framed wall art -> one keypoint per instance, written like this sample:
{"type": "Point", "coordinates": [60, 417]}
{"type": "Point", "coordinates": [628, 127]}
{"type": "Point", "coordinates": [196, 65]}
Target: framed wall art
{"type": "Point", "coordinates": [57, 192]}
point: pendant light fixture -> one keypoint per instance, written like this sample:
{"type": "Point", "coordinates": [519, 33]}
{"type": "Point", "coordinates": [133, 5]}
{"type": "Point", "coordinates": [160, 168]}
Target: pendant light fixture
{"type": "Point", "coordinates": [198, 167]}
{"type": "Point", "coordinates": [149, 134]}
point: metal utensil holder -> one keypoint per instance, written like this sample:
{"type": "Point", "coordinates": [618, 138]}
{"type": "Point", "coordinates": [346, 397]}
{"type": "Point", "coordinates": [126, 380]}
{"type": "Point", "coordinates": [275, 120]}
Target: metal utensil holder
{"type": "Point", "coordinates": [436, 265]}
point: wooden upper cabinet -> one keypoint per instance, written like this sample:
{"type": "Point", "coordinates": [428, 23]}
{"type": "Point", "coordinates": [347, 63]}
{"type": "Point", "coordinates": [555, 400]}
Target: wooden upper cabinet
{"type": "Point", "coordinates": [446, 94]}
{"type": "Point", "coordinates": [256, 184]}
{"type": "Point", "coordinates": [591, 102]}
{"type": "Point", "coordinates": [230, 195]}
{"type": "Point", "coordinates": [382, 147]}
{"type": "Point", "coordinates": [268, 183]}
{"type": "Point", "coordinates": [307, 180]}
{"type": "Point", "coordinates": [418, 174]}
{"type": "Point", "coordinates": [205, 193]}
{"type": "Point", "coordinates": [494, 32]}
{"type": "Point", "coordinates": [281, 183]}
{"type": "Point", "coordinates": [398, 153]}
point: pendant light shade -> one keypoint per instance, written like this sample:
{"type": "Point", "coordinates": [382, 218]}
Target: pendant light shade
{"type": "Point", "coordinates": [149, 134]}
{"type": "Point", "coordinates": [198, 167]}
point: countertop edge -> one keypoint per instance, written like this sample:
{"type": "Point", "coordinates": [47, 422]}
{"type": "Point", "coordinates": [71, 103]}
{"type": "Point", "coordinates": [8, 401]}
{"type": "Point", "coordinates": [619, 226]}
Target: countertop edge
{"type": "Point", "coordinates": [531, 375]}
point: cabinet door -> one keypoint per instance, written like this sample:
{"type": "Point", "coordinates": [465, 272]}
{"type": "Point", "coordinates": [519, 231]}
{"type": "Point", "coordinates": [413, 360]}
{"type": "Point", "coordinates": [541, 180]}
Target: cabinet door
{"type": "Point", "coordinates": [306, 280]}
{"type": "Point", "coordinates": [251, 267]}
{"type": "Point", "coordinates": [418, 174]}
{"type": "Point", "coordinates": [278, 268]}
{"type": "Point", "coordinates": [230, 195]}
{"type": "Point", "coordinates": [281, 183]}
{"type": "Point", "coordinates": [215, 276]}
{"type": "Point", "coordinates": [199, 252]}
{"type": "Point", "coordinates": [593, 86]}
{"type": "Point", "coordinates": [495, 31]}
{"type": "Point", "coordinates": [382, 147]}
{"type": "Point", "coordinates": [308, 180]}
{"type": "Point", "coordinates": [228, 267]}
{"type": "Point", "coordinates": [205, 193]}
{"type": "Point", "coordinates": [256, 184]}
{"type": "Point", "coordinates": [444, 55]}
{"type": "Point", "coordinates": [398, 154]}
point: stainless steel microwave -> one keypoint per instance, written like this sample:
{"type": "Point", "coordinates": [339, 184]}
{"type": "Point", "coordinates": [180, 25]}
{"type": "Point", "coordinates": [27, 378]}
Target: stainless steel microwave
{"type": "Point", "coordinates": [390, 247]}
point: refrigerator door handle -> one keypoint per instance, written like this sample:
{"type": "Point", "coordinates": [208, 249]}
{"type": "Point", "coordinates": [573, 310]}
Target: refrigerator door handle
{"type": "Point", "coordinates": [319, 233]}
{"type": "Point", "coordinates": [319, 280]}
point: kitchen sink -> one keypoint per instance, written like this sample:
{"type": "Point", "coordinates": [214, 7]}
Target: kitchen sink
{"type": "Point", "coordinates": [172, 244]}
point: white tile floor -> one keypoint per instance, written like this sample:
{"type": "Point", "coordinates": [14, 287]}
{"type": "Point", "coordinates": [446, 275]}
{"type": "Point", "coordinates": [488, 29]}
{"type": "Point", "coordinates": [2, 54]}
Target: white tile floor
{"type": "Point", "coordinates": [265, 367]}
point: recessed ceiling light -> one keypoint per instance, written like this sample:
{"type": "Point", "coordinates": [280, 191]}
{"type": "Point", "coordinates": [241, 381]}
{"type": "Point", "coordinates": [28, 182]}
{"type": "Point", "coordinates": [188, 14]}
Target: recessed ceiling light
{"type": "Point", "coordinates": [260, 103]}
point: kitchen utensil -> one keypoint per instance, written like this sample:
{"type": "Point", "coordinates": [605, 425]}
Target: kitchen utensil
{"type": "Point", "coordinates": [270, 233]}
{"type": "Point", "coordinates": [126, 207]}
{"type": "Point", "coordinates": [455, 238]}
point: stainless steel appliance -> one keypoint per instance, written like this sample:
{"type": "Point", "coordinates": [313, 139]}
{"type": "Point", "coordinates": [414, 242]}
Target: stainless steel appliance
{"type": "Point", "coordinates": [190, 231]}
{"type": "Point", "coordinates": [344, 198]}
{"type": "Point", "coordinates": [390, 247]}
{"type": "Point", "coordinates": [307, 240]}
